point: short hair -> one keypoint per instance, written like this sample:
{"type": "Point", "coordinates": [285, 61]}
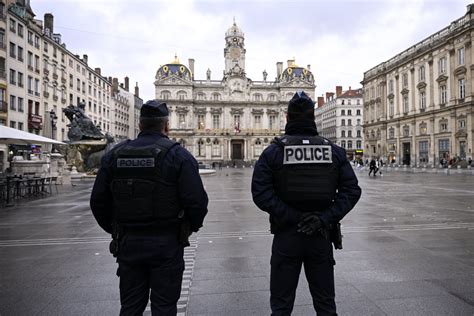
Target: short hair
{"type": "Point", "coordinates": [308, 115]}
{"type": "Point", "coordinates": [153, 123]}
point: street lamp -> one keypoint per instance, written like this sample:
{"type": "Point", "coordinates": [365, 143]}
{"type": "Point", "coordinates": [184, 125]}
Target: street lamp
{"type": "Point", "coordinates": [54, 120]}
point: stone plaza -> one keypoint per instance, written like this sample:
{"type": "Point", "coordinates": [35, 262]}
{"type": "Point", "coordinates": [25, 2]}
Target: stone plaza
{"type": "Point", "coordinates": [408, 250]}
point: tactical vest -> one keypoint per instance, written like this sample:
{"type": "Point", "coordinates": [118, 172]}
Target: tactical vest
{"type": "Point", "coordinates": [309, 175]}
{"type": "Point", "coordinates": [140, 193]}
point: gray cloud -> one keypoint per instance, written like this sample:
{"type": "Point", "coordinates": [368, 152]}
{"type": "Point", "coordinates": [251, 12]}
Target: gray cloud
{"type": "Point", "coordinates": [340, 39]}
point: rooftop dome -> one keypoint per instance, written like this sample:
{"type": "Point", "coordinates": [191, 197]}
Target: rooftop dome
{"type": "Point", "coordinates": [295, 71]}
{"type": "Point", "coordinates": [234, 30]}
{"type": "Point", "coordinates": [174, 68]}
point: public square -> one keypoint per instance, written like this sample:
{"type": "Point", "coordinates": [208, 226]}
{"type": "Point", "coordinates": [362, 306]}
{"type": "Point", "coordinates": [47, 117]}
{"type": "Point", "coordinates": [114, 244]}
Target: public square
{"type": "Point", "coordinates": [408, 250]}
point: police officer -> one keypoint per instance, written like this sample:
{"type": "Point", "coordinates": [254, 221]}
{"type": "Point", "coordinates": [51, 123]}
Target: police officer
{"type": "Point", "coordinates": [148, 194]}
{"type": "Point", "coordinates": [307, 186]}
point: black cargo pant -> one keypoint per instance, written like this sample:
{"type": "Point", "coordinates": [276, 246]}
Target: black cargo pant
{"type": "Point", "coordinates": [147, 263]}
{"type": "Point", "coordinates": [290, 251]}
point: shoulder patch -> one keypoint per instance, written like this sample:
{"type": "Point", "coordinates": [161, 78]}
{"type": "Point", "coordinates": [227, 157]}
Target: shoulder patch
{"type": "Point", "coordinates": [307, 154]}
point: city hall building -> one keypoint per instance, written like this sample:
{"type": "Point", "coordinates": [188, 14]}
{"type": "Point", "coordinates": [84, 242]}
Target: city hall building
{"type": "Point", "coordinates": [234, 118]}
{"type": "Point", "coordinates": [418, 106]}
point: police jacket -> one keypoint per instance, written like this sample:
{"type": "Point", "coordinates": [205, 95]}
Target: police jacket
{"type": "Point", "coordinates": [285, 214]}
{"type": "Point", "coordinates": [178, 168]}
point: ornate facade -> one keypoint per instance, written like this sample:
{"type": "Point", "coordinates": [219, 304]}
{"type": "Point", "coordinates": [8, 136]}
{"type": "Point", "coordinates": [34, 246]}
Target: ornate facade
{"type": "Point", "coordinates": [419, 104]}
{"type": "Point", "coordinates": [234, 118]}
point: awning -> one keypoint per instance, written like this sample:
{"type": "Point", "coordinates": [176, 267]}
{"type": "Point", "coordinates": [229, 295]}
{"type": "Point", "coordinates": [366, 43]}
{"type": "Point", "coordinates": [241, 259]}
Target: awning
{"type": "Point", "coordinates": [10, 135]}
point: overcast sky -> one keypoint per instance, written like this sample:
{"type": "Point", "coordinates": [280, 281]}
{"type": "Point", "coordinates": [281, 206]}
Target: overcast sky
{"type": "Point", "coordinates": [340, 39]}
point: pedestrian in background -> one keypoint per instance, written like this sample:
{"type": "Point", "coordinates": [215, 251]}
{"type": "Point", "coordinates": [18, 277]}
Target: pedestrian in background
{"type": "Point", "coordinates": [307, 185]}
{"type": "Point", "coordinates": [149, 196]}
{"type": "Point", "coordinates": [372, 167]}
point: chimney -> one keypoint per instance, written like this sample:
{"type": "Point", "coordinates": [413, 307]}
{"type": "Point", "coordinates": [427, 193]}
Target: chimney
{"type": "Point", "coordinates": [329, 96]}
{"type": "Point", "coordinates": [137, 90]}
{"type": "Point", "coordinates": [110, 79]}
{"type": "Point", "coordinates": [97, 70]}
{"type": "Point", "coordinates": [191, 67]}
{"type": "Point", "coordinates": [85, 58]}
{"type": "Point", "coordinates": [279, 69]}
{"type": "Point", "coordinates": [338, 91]}
{"type": "Point", "coordinates": [127, 86]}
{"type": "Point", "coordinates": [349, 87]}
{"type": "Point", "coordinates": [48, 24]}
{"type": "Point", "coordinates": [320, 101]}
{"type": "Point", "coordinates": [115, 84]}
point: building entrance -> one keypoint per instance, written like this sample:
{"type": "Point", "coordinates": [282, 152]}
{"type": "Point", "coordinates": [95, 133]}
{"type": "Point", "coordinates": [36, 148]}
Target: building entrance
{"type": "Point", "coordinates": [406, 153]}
{"type": "Point", "coordinates": [237, 149]}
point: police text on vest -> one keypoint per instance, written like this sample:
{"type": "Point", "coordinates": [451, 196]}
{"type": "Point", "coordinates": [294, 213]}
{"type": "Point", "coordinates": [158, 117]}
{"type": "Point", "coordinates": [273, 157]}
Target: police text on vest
{"type": "Point", "coordinates": [136, 162]}
{"type": "Point", "coordinates": [307, 154]}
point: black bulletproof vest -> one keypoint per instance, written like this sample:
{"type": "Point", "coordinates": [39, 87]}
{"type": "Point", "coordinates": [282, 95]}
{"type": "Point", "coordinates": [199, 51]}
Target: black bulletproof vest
{"type": "Point", "coordinates": [141, 195]}
{"type": "Point", "coordinates": [308, 177]}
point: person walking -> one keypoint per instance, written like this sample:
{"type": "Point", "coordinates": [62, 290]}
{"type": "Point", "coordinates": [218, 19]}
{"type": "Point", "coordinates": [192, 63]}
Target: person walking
{"type": "Point", "coordinates": [307, 185]}
{"type": "Point", "coordinates": [372, 167]}
{"type": "Point", "coordinates": [149, 196]}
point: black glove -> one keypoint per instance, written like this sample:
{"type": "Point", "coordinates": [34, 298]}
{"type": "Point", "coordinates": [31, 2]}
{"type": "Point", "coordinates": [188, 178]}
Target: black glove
{"type": "Point", "coordinates": [309, 224]}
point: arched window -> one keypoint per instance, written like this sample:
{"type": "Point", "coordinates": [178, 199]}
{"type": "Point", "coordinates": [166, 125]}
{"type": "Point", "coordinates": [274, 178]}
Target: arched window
{"type": "Point", "coordinates": [216, 148]}
{"type": "Point", "coordinates": [182, 95]}
{"type": "Point", "coordinates": [349, 144]}
{"type": "Point", "coordinates": [201, 149]}
{"type": "Point", "coordinates": [182, 142]}
{"type": "Point", "coordinates": [165, 95]}
{"type": "Point", "coordinates": [258, 147]}
{"type": "Point", "coordinates": [343, 144]}
{"type": "Point", "coordinates": [216, 97]}
{"type": "Point", "coordinates": [258, 97]}
{"type": "Point", "coordinates": [201, 96]}
{"type": "Point", "coordinates": [272, 97]}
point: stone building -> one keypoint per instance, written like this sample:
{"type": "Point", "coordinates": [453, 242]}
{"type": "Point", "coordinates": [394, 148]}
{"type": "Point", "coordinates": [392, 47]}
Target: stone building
{"type": "Point", "coordinates": [39, 77]}
{"type": "Point", "coordinates": [125, 115]}
{"type": "Point", "coordinates": [418, 105]}
{"type": "Point", "coordinates": [339, 119]}
{"type": "Point", "coordinates": [233, 118]}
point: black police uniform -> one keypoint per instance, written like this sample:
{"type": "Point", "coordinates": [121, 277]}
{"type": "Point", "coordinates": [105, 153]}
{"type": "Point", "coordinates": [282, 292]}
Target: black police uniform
{"type": "Point", "coordinates": [146, 191]}
{"type": "Point", "coordinates": [300, 174]}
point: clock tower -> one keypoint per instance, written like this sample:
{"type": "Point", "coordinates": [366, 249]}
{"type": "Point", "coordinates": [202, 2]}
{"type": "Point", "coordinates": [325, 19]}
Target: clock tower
{"type": "Point", "coordinates": [234, 52]}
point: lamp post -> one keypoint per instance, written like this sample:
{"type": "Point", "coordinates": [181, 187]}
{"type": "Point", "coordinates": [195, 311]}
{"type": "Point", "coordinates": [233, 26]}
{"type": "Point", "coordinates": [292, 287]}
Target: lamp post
{"type": "Point", "coordinates": [54, 120]}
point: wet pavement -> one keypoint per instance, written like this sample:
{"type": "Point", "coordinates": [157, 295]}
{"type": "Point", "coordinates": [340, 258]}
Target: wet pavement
{"type": "Point", "coordinates": [408, 250]}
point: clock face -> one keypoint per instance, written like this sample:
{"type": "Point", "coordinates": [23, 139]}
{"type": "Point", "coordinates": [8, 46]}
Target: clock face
{"type": "Point", "coordinates": [234, 52]}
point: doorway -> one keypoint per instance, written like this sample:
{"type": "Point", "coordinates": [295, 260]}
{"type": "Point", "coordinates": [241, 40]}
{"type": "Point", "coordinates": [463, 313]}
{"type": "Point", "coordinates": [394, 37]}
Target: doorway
{"type": "Point", "coordinates": [406, 153]}
{"type": "Point", "coordinates": [237, 149]}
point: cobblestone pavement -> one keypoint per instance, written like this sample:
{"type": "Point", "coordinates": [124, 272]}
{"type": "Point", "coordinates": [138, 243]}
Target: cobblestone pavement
{"type": "Point", "coordinates": [408, 250]}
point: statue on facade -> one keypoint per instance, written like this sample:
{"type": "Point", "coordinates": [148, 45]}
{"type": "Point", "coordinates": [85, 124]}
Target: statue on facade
{"type": "Point", "coordinates": [81, 126]}
{"type": "Point", "coordinates": [265, 74]}
{"type": "Point", "coordinates": [208, 74]}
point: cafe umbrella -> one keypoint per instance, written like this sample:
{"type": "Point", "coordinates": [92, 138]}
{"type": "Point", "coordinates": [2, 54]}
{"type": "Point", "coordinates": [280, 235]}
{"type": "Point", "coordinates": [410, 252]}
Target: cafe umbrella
{"type": "Point", "coordinates": [16, 137]}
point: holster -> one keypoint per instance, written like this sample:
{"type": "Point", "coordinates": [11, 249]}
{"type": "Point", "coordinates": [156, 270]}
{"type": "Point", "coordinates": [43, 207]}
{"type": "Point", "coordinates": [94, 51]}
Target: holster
{"type": "Point", "coordinates": [335, 235]}
{"type": "Point", "coordinates": [184, 230]}
{"type": "Point", "coordinates": [114, 246]}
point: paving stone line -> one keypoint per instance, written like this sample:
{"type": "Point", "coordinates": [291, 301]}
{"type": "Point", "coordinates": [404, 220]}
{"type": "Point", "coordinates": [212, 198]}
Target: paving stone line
{"type": "Point", "coordinates": [361, 229]}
